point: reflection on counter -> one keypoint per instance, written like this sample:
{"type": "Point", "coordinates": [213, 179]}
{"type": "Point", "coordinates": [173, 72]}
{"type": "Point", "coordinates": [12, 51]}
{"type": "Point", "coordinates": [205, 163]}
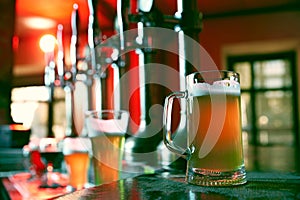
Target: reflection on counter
{"type": "Point", "coordinates": [167, 186]}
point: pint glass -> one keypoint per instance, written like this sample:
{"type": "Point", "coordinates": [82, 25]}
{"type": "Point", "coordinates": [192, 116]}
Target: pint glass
{"type": "Point", "coordinates": [76, 155]}
{"type": "Point", "coordinates": [107, 129]}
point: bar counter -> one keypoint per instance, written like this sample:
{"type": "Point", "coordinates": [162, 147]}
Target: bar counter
{"type": "Point", "coordinates": [163, 185]}
{"type": "Point", "coordinates": [152, 181]}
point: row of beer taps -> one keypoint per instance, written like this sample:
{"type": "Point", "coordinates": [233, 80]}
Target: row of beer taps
{"type": "Point", "coordinates": [91, 70]}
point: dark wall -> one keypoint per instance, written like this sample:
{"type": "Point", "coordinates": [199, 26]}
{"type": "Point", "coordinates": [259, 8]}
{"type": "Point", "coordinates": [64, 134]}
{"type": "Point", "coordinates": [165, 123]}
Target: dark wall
{"type": "Point", "coordinates": [7, 22]}
{"type": "Point", "coordinates": [274, 26]}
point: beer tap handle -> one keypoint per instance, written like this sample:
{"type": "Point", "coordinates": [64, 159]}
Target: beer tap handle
{"type": "Point", "coordinates": [121, 26]}
{"type": "Point", "coordinates": [74, 41]}
{"type": "Point", "coordinates": [60, 54]}
{"type": "Point", "coordinates": [121, 9]}
{"type": "Point", "coordinates": [145, 5]}
{"type": "Point", "coordinates": [70, 76]}
{"type": "Point", "coordinates": [94, 33]}
{"type": "Point", "coordinates": [94, 22]}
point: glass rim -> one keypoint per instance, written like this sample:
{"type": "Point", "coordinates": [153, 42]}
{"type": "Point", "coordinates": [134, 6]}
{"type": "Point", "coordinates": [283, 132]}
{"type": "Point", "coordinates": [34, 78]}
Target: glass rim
{"type": "Point", "coordinates": [214, 71]}
{"type": "Point", "coordinates": [211, 75]}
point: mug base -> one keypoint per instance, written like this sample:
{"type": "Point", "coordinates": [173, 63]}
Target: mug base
{"type": "Point", "coordinates": [206, 177]}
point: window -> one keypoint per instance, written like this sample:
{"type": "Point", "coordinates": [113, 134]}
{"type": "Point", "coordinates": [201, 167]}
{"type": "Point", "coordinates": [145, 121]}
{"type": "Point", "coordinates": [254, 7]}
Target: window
{"type": "Point", "coordinates": [30, 106]}
{"type": "Point", "coordinates": [268, 100]}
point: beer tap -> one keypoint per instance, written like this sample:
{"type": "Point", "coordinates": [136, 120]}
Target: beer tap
{"type": "Point", "coordinates": [122, 7]}
{"type": "Point", "coordinates": [104, 55]}
{"type": "Point", "coordinates": [93, 33]}
{"type": "Point", "coordinates": [186, 21]}
{"type": "Point", "coordinates": [146, 139]}
{"type": "Point", "coordinates": [147, 136]}
{"type": "Point", "coordinates": [60, 54]}
{"type": "Point", "coordinates": [74, 41]}
{"type": "Point", "coordinates": [49, 77]}
{"type": "Point", "coordinates": [66, 83]}
{"type": "Point", "coordinates": [73, 79]}
{"type": "Point", "coordinates": [69, 77]}
{"type": "Point", "coordinates": [94, 73]}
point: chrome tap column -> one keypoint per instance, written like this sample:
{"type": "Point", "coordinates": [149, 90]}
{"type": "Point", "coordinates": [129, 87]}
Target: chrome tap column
{"type": "Point", "coordinates": [76, 80]}
{"type": "Point", "coordinates": [140, 16]}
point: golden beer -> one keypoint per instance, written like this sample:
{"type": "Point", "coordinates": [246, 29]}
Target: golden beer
{"type": "Point", "coordinates": [77, 165]}
{"type": "Point", "coordinates": [226, 154]}
{"type": "Point", "coordinates": [107, 158]}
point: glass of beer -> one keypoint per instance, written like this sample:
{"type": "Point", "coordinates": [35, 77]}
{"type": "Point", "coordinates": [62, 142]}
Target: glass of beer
{"type": "Point", "coordinates": [107, 129]}
{"type": "Point", "coordinates": [215, 150]}
{"type": "Point", "coordinates": [76, 154]}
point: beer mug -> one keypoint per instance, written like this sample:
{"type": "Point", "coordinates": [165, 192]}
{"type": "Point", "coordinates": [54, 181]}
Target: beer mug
{"type": "Point", "coordinates": [214, 142]}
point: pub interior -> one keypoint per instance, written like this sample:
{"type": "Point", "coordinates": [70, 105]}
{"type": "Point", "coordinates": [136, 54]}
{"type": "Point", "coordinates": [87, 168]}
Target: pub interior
{"type": "Point", "coordinates": [99, 58]}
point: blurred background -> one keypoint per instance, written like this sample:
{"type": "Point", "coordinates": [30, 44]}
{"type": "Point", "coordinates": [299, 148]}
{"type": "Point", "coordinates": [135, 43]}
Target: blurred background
{"type": "Point", "coordinates": [258, 39]}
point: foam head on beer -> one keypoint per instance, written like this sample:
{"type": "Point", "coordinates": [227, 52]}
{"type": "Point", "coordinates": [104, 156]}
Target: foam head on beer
{"type": "Point", "coordinates": [71, 145]}
{"type": "Point", "coordinates": [97, 127]}
{"type": "Point", "coordinates": [218, 87]}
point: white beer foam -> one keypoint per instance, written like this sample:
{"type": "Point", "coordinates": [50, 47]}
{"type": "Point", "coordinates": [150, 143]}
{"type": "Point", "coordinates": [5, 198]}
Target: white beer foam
{"type": "Point", "coordinates": [218, 87]}
{"type": "Point", "coordinates": [76, 145]}
{"type": "Point", "coordinates": [97, 127]}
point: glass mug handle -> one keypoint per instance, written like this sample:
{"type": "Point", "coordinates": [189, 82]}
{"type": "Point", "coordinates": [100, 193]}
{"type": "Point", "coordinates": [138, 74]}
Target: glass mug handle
{"type": "Point", "coordinates": [167, 118]}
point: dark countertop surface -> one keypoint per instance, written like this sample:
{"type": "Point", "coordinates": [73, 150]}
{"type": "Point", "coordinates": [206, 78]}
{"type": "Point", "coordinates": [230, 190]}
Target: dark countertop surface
{"type": "Point", "coordinates": [260, 185]}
